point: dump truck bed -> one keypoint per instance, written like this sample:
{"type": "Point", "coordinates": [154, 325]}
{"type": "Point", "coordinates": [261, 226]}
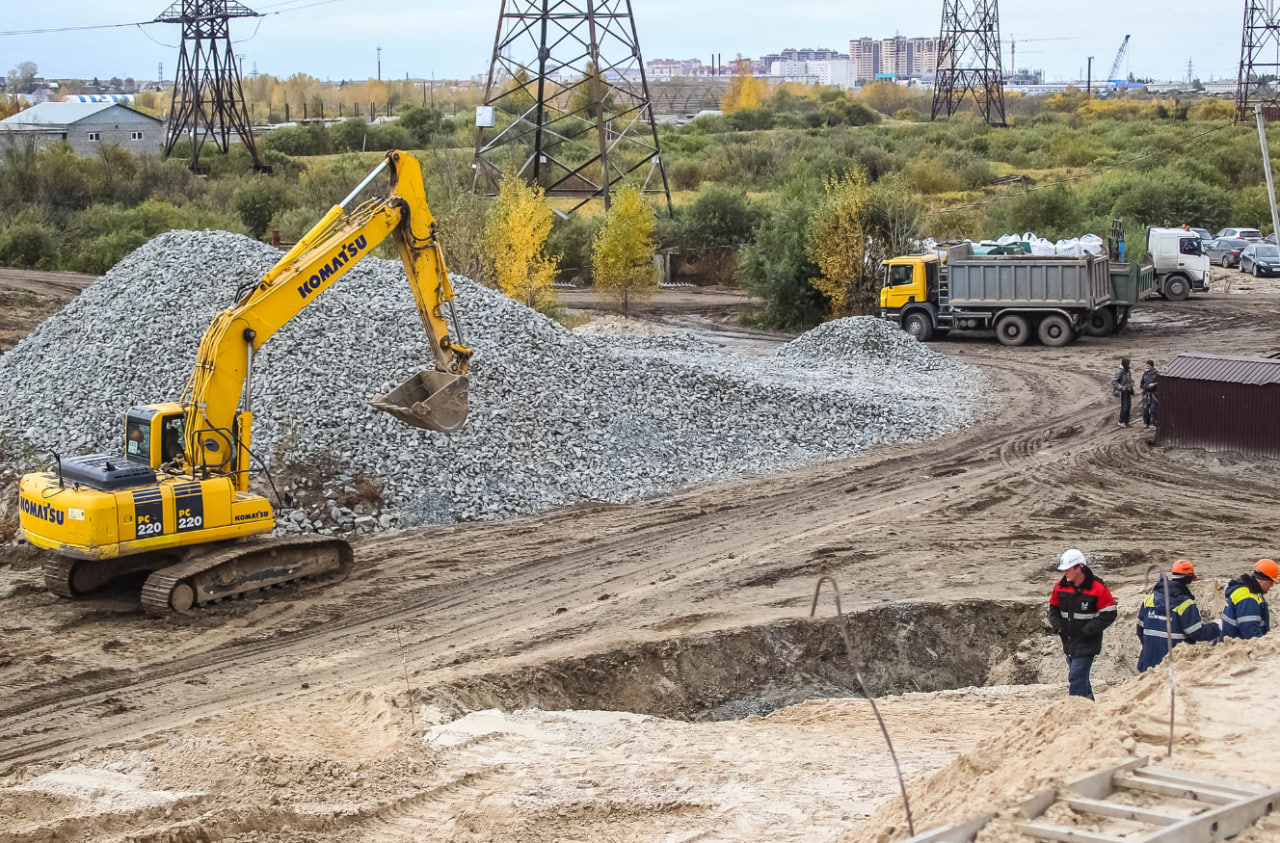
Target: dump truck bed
{"type": "Point", "coordinates": [1029, 281]}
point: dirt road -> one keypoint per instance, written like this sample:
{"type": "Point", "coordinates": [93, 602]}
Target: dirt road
{"type": "Point", "coordinates": [305, 711]}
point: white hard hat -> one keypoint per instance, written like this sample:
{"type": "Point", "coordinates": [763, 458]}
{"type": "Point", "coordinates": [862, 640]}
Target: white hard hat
{"type": "Point", "coordinates": [1071, 558]}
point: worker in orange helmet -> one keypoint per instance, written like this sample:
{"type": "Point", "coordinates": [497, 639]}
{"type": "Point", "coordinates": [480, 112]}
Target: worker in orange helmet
{"type": "Point", "coordinates": [1246, 614]}
{"type": "Point", "coordinates": [1159, 629]}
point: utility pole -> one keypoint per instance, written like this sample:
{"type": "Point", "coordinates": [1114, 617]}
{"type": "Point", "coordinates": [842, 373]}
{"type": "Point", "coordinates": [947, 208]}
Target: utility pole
{"type": "Point", "coordinates": [379, 64]}
{"type": "Point", "coordinates": [1088, 79]}
{"type": "Point", "coordinates": [1266, 168]}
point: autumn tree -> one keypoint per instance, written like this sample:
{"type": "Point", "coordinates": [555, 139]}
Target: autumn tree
{"type": "Point", "coordinates": [745, 90]}
{"type": "Point", "coordinates": [622, 252]}
{"type": "Point", "coordinates": [22, 78]}
{"type": "Point", "coordinates": [515, 243]}
{"type": "Point", "coordinates": [856, 226]}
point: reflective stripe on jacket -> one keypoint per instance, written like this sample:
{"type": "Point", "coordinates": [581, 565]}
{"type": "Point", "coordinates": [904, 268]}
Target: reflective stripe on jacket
{"type": "Point", "coordinates": [1155, 628]}
{"type": "Point", "coordinates": [1246, 614]}
{"type": "Point", "coordinates": [1079, 615]}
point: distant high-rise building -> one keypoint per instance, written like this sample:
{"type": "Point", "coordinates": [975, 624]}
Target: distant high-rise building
{"type": "Point", "coordinates": [904, 58]}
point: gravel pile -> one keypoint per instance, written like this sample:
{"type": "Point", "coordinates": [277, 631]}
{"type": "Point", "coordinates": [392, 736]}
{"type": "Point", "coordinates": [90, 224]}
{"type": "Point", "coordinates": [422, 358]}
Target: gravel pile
{"type": "Point", "coordinates": [556, 418]}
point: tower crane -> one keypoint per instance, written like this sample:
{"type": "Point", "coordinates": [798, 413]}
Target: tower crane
{"type": "Point", "coordinates": [1115, 67]}
{"type": "Point", "coordinates": [1013, 48]}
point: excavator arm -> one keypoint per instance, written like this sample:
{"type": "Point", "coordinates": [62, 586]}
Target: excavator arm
{"type": "Point", "coordinates": [216, 402]}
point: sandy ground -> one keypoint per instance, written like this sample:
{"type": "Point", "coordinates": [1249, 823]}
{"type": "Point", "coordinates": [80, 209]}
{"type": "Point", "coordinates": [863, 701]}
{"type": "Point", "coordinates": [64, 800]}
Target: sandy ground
{"type": "Point", "coordinates": [649, 672]}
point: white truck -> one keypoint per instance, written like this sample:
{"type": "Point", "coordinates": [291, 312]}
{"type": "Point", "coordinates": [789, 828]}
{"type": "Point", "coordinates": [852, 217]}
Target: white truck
{"type": "Point", "coordinates": [1180, 262]}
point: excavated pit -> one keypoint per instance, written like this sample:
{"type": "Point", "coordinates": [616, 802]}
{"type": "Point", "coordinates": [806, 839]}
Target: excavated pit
{"type": "Point", "coordinates": [729, 674]}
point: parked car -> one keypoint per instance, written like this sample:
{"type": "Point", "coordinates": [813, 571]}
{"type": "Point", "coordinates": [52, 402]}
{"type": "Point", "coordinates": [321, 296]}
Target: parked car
{"type": "Point", "coordinates": [1260, 259]}
{"type": "Point", "coordinates": [1253, 235]}
{"type": "Point", "coordinates": [1203, 233]}
{"type": "Point", "coordinates": [1225, 251]}
{"type": "Point", "coordinates": [1270, 238]}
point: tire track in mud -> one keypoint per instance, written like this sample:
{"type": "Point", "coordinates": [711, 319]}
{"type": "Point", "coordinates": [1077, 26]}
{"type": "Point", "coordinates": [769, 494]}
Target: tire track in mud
{"type": "Point", "coordinates": [1050, 433]}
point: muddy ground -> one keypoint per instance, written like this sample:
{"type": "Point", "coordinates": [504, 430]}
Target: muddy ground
{"type": "Point", "coordinates": [648, 672]}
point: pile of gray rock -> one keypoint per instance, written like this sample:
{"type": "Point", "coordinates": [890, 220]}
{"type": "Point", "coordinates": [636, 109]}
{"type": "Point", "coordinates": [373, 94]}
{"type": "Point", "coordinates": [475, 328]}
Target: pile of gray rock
{"type": "Point", "coordinates": [556, 418]}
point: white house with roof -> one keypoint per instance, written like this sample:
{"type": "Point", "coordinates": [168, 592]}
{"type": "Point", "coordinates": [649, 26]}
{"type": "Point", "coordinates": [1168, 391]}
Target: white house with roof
{"type": "Point", "coordinates": [86, 126]}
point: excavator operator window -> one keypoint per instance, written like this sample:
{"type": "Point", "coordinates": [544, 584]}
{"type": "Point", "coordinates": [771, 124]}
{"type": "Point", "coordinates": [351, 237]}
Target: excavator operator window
{"type": "Point", "coordinates": [171, 430]}
{"type": "Point", "coordinates": [138, 441]}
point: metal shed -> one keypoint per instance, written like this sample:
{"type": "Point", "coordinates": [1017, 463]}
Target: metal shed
{"type": "Point", "coordinates": [1221, 403]}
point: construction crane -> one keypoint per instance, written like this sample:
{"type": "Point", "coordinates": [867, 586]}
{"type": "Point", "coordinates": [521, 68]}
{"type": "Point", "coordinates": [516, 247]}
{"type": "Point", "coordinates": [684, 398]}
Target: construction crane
{"type": "Point", "coordinates": [1013, 48]}
{"type": "Point", "coordinates": [1114, 78]}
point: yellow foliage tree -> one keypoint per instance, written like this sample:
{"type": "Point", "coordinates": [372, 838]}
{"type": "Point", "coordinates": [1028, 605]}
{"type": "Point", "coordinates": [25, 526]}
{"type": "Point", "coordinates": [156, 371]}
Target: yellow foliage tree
{"type": "Point", "coordinates": [838, 245]}
{"type": "Point", "coordinates": [745, 90]}
{"type": "Point", "coordinates": [622, 252]}
{"type": "Point", "coordinates": [515, 243]}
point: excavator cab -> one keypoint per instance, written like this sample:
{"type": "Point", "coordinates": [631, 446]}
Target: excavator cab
{"type": "Point", "coordinates": [431, 399]}
{"type": "Point", "coordinates": [153, 434]}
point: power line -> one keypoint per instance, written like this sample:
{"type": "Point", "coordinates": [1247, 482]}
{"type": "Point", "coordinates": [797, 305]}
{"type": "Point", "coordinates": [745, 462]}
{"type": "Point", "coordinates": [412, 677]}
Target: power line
{"type": "Point", "coordinates": [142, 23]}
{"type": "Point", "coordinates": [1093, 172]}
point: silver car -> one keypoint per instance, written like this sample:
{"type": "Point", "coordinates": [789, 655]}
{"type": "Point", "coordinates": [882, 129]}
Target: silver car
{"type": "Point", "coordinates": [1253, 235]}
{"type": "Point", "coordinates": [1260, 259]}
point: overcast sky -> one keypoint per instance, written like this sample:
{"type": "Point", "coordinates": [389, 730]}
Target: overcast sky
{"type": "Point", "coordinates": [454, 40]}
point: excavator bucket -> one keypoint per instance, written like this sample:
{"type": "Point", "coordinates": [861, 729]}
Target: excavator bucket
{"type": "Point", "coordinates": [430, 399]}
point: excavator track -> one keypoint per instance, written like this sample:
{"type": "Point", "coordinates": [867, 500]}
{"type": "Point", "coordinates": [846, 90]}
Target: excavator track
{"type": "Point", "coordinates": [58, 571]}
{"type": "Point", "coordinates": [241, 569]}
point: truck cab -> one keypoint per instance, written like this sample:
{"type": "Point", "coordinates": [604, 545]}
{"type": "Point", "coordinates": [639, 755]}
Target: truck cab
{"type": "Point", "coordinates": [909, 293]}
{"type": "Point", "coordinates": [1180, 262]}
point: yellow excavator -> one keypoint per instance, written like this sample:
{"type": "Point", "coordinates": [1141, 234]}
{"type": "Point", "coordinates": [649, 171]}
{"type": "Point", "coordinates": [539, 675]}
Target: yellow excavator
{"type": "Point", "coordinates": [178, 503]}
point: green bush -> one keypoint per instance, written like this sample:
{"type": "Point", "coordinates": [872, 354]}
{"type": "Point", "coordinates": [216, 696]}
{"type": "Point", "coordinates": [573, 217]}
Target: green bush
{"type": "Point", "coordinates": [721, 216]}
{"type": "Point", "coordinates": [27, 245]}
{"type": "Point", "coordinates": [298, 140]}
{"type": "Point", "coordinates": [257, 201]}
{"type": "Point", "coordinates": [776, 268]}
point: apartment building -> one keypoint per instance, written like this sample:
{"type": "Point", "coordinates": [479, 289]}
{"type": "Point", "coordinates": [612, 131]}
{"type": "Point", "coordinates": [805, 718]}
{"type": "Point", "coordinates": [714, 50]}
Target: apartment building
{"type": "Point", "coordinates": [905, 58]}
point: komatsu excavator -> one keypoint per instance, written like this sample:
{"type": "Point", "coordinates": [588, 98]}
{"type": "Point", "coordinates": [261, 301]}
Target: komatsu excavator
{"type": "Point", "coordinates": [178, 503]}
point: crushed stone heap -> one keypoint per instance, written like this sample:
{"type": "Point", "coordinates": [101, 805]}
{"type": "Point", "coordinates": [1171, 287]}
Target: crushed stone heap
{"type": "Point", "coordinates": [556, 418]}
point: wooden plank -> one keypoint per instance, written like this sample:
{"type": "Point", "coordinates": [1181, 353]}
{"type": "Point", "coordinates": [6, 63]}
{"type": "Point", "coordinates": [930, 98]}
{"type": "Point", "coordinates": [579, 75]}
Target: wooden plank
{"type": "Point", "coordinates": [1121, 812]}
{"type": "Point", "coordinates": [1198, 794]}
{"type": "Point", "coordinates": [1068, 835]}
{"type": "Point", "coordinates": [1220, 823]}
{"type": "Point", "coordinates": [1181, 777]}
{"type": "Point", "coordinates": [1098, 785]}
{"type": "Point", "coordinates": [954, 833]}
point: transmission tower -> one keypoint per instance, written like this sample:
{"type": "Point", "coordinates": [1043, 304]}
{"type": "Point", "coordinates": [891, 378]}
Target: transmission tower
{"type": "Point", "coordinates": [969, 60]}
{"type": "Point", "coordinates": [208, 100]}
{"type": "Point", "coordinates": [567, 102]}
{"type": "Point", "coordinates": [1259, 59]}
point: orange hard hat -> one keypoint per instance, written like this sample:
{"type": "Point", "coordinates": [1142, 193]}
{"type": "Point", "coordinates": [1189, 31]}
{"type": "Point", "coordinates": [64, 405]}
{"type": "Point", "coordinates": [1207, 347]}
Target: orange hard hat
{"type": "Point", "coordinates": [1268, 569]}
{"type": "Point", "coordinates": [1184, 568]}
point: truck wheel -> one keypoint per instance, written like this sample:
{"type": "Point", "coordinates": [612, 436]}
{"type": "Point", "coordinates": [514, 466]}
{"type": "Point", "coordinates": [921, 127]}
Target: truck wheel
{"type": "Point", "coordinates": [1102, 323]}
{"type": "Point", "coordinates": [1176, 288]}
{"type": "Point", "coordinates": [1056, 331]}
{"type": "Point", "coordinates": [1123, 321]}
{"type": "Point", "coordinates": [1013, 330]}
{"type": "Point", "coordinates": [919, 326]}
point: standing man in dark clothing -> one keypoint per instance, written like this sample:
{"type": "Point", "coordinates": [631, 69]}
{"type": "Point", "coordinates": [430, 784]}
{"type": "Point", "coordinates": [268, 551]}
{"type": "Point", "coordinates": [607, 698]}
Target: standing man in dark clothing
{"type": "Point", "coordinates": [1158, 628]}
{"type": "Point", "coordinates": [1150, 379]}
{"type": "Point", "coordinates": [1246, 614]}
{"type": "Point", "coordinates": [1080, 608]}
{"type": "Point", "coordinates": [1122, 388]}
